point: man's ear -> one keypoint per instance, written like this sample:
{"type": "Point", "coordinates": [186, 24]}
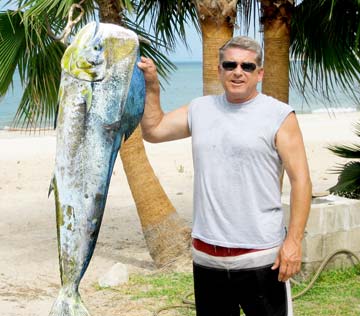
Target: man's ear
{"type": "Point", "coordinates": [261, 74]}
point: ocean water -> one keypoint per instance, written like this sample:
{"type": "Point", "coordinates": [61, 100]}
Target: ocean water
{"type": "Point", "coordinates": [184, 85]}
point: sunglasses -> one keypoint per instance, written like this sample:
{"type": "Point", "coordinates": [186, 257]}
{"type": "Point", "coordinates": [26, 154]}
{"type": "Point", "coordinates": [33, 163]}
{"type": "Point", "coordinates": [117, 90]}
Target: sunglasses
{"type": "Point", "coordinates": [231, 65]}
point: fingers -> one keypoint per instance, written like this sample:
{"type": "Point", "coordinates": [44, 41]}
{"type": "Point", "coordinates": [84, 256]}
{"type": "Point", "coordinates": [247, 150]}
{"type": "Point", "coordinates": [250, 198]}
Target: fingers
{"type": "Point", "coordinates": [285, 269]}
{"type": "Point", "coordinates": [284, 272]}
{"type": "Point", "coordinates": [276, 263]}
{"type": "Point", "coordinates": [288, 261]}
{"type": "Point", "coordinates": [288, 268]}
{"type": "Point", "coordinates": [146, 63]}
{"type": "Point", "coordinates": [150, 73]}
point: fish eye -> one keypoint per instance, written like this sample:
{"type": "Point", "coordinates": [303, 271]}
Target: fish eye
{"type": "Point", "coordinates": [97, 47]}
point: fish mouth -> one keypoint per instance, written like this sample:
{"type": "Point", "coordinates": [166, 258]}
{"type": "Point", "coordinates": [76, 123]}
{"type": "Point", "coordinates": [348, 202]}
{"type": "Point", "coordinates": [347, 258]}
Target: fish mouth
{"type": "Point", "coordinates": [88, 70]}
{"type": "Point", "coordinates": [88, 64]}
{"type": "Point", "coordinates": [87, 74]}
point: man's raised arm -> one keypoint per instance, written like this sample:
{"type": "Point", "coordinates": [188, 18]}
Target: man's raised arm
{"type": "Point", "coordinates": [156, 125]}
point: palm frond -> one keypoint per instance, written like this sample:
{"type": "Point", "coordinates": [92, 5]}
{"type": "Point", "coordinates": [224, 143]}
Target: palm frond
{"type": "Point", "coordinates": [27, 46]}
{"type": "Point", "coordinates": [349, 179]}
{"type": "Point", "coordinates": [59, 8]}
{"type": "Point", "coordinates": [37, 57]}
{"type": "Point", "coordinates": [37, 13]}
{"type": "Point", "coordinates": [325, 42]}
{"type": "Point", "coordinates": [38, 63]}
{"type": "Point", "coordinates": [357, 129]}
{"type": "Point", "coordinates": [39, 102]}
{"type": "Point", "coordinates": [248, 10]}
{"type": "Point", "coordinates": [125, 5]}
{"type": "Point", "coordinates": [12, 47]}
{"type": "Point", "coordinates": [167, 18]}
{"type": "Point", "coordinates": [346, 151]}
{"type": "Point", "coordinates": [153, 49]}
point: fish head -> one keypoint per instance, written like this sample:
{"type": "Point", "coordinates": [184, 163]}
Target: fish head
{"type": "Point", "coordinates": [96, 48]}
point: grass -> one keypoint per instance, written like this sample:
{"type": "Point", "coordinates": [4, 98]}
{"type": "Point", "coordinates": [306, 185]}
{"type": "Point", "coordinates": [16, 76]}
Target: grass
{"type": "Point", "coordinates": [335, 293]}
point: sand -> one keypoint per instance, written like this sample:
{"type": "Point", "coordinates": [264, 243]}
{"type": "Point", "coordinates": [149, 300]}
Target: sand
{"type": "Point", "coordinates": [29, 274]}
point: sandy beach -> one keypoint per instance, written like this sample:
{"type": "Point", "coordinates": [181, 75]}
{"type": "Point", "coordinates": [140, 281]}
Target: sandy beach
{"type": "Point", "coordinates": [29, 273]}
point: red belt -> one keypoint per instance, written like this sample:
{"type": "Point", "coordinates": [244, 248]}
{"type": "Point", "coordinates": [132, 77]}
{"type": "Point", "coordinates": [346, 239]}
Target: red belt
{"type": "Point", "coordinates": [219, 251]}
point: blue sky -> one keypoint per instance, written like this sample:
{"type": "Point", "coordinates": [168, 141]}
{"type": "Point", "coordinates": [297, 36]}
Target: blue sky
{"type": "Point", "coordinates": [194, 53]}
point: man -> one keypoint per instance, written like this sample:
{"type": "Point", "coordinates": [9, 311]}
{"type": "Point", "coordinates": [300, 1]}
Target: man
{"type": "Point", "coordinates": [243, 255]}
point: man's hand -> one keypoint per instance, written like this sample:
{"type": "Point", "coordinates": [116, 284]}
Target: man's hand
{"type": "Point", "coordinates": [288, 259]}
{"type": "Point", "coordinates": [156, 125]}
{"type": "Point", "coordinates": [150, 73]}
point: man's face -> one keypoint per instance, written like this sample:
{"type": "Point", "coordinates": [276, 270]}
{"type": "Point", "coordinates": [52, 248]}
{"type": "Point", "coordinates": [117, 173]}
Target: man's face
{"type": "Point", "coordinates": [240, 85]}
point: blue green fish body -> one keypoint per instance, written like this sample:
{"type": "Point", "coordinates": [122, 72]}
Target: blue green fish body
{"type": "Point", "coordinates": [101, 101]}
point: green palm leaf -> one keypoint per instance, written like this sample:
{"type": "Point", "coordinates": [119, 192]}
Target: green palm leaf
{"type": "Point", "coordinates": [38, 60]}
{"type": "Point", "coordinates": [349, 179]}
{"type": "Point", "coordinates": [152, 48]}
{"type": "Point", "coordinates": [12, 48]}
{"type": "Point", "coordinates": [325, 41]}
{"type": "Point", "coordinates": [27, 46]}
{"type": "Point", "coordinates": [346, 151]}
{"type": "Point", "coordinates": [167, 18]}
{"type": "Point", "coordinates": [38, 12]}
{"type": "Point", "coordinates": [39, 102]}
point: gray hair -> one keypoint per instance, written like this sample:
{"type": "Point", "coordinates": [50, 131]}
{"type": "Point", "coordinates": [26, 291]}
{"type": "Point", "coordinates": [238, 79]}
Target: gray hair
{"type": "Point", "coordinates": [242, 42]}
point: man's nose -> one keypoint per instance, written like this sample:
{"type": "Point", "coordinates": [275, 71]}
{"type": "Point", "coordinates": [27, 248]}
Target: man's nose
{"type": "Point", "coordinates": [238, 70]}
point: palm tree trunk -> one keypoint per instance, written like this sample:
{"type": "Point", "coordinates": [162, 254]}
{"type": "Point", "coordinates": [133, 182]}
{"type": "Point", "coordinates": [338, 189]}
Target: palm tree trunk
{"type": "Point", "coordinates": [276, 16]}
{"type": "Point", "coordinates": [167, 236]}
{"type": "Point", "coordinates": [216, 19]}
{"type": "Point", "coordinates": [109, 11]}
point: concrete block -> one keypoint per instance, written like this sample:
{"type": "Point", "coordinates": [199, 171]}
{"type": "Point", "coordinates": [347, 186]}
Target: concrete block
{"type": "Point", "coordinates": [334, 241]}
{"type": "Point", "coordinates": [354, 239]}
{"type": "Point", "coordinates": [335, 218]}
{"type": "Point", "coordinates": [354, 213]}
{"type": "Point", "coordinates": [314, 223]}
{"type": "Point", "coordinates": [312, 248]}
{"type": "Point", "coordinates": [333, 224]}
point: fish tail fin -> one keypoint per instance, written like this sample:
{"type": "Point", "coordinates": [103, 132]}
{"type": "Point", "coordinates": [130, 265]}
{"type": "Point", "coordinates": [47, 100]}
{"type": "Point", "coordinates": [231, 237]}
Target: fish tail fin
{"type": "Point", "coordinates": [69, 304]}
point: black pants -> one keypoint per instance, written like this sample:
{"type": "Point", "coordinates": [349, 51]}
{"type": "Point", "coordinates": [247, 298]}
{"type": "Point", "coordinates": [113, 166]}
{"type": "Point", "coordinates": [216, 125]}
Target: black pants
{"type": "Point", "coordinates": [222, 292]}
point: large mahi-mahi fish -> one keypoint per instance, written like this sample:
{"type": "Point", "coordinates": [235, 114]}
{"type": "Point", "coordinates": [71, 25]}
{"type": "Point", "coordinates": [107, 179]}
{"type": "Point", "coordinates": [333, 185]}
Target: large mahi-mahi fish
{"type": "Point", "coordinates": [101, 101]}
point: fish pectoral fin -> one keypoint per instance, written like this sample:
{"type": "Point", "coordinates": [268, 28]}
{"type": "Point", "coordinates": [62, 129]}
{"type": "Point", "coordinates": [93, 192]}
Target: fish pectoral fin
{"type": "Point", "coordinates": [113, 126]}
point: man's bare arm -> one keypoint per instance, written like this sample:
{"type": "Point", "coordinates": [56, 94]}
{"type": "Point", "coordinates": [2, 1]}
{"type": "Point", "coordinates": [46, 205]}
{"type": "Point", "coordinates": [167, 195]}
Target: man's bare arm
{"type": "Point", "coordinates": [291, 149]}
{"type": "Point", "coordinates": [156, 125]}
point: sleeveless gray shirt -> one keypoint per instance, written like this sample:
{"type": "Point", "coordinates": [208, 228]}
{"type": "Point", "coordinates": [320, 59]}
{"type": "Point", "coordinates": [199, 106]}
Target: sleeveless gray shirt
{"type": "Point", "coordinates": [236, 171]}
